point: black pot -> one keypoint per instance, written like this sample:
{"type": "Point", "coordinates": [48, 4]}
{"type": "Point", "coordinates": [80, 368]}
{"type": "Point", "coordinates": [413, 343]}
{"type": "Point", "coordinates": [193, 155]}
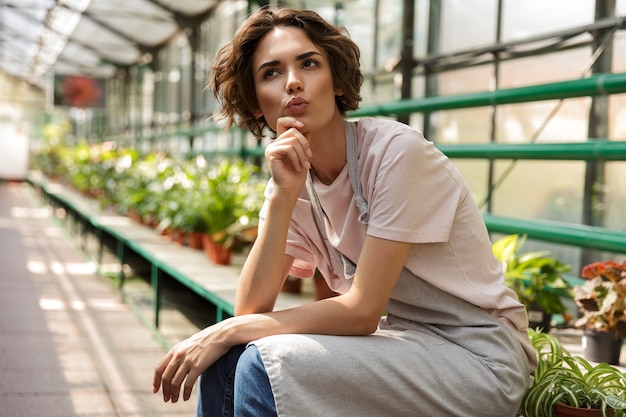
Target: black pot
{"type": "Point", "coordinates": [538, 318]}
{"type": "Point", "coordinates": [600, 346]}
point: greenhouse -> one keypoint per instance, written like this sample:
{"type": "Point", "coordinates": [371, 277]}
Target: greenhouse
{"type": "Point", "coordinates": [130, 209]}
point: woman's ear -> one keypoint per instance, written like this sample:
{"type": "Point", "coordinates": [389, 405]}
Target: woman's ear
{"type": "Point", "coordinates": [338, 92]}
{"type": "Point", "coordinates": [257, 113]}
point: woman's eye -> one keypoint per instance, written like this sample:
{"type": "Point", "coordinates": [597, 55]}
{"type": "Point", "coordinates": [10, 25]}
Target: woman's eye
{"type": "Point", "coordinates": [269, 73]}
{"type": "Point", "coordinates": [310, 63]}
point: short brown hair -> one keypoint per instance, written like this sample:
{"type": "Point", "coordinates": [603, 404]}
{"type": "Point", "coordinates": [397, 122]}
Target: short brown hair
{"type": "Point", "coordinates": [231, 78]}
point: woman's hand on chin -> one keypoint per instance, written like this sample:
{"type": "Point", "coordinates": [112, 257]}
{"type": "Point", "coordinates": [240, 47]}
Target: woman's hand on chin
{"type": "Point", "coordinates": [288, 155]}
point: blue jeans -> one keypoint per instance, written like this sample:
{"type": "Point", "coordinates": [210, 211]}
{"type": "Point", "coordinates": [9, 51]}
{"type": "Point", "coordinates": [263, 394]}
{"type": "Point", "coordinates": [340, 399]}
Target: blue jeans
{"type": "Point", "coordinates": [236, 385]}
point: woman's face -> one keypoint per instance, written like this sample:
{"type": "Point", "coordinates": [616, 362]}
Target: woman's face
{"type": "Point", "coordinates": [292, 77]}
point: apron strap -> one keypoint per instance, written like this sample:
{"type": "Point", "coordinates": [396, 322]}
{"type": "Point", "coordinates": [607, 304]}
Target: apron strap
{"type": "Point", "coordinates": [318, 215]}
{"type": "Point", "coordinates": [353, 172]}
{"type": "Point", "coordinates": [338, 260]}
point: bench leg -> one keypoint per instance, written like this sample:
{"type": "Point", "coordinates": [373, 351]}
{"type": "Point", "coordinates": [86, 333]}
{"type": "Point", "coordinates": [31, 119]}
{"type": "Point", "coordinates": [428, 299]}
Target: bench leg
{"type": "Point", "coordinates": [156, 294]}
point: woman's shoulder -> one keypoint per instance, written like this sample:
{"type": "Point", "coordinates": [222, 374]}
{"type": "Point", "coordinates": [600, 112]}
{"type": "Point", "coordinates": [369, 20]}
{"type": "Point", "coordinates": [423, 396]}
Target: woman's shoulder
{"type": "Point", "coordinates": [384, 127]}
{"type": "Point", "coordinates": [379, 132]}
{"type": "Point", "coordinates": [378, 136]}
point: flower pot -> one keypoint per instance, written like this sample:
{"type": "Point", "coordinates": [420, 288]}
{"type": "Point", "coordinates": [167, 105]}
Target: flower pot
{"type": "Point", "coordinates": [177, 236]}
{"type": "Point", "coordinates": [601, 346]}
{"type": "Point", "coordinates": [562, 410]}
{"type": "Point", "coordinates": [194, 240]}
{"type": "Point", "coordinates": [217, 253]}
{"type": "Point", "coordinates": [538, 318]}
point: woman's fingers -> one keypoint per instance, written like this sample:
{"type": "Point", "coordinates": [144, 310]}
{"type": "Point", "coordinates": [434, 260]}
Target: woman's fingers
{"type": "Point", "coordinates": [158, 372]}
{"type": "Point", "coordinates": [292, 128]}
{"type": "Point", "coordinates": [184, 363]}
{"type": "Point", "coordinates": [169, 376]}
{"type": "Point", "coordinates": [292, 148]}
{"type": "Point", "coordinates": [285, 123]}
{"type": "Point", "coordinates": [192, 376]}
{"type": "Point", "coordinates": [181, 374]}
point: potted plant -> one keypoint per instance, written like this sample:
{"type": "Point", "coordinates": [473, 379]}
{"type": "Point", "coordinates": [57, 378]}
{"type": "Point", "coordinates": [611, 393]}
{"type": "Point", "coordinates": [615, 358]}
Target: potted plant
{"type": "Point", "coordinates": [536, 278]}
{"type": "Point", "coordinates": [226, 190]}
{"type": "Point", "coordinates": [602, 302]}
{"type": "Point", "coordinates": [566, 385]}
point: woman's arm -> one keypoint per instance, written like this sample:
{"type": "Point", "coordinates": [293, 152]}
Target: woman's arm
{"type": "Point", "coordinates": [355, 313]}
{"type": "Point", "coordinates": [266, 267]}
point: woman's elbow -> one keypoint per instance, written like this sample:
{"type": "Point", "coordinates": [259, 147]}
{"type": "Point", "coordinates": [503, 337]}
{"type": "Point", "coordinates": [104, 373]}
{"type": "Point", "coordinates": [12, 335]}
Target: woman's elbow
{"type": "Point", "coordinates": [241, 307]}
{"type": "Point", "coordinates": [365, 320]}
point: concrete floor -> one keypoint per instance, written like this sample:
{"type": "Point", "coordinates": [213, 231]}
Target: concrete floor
{"type": "Point", "coordinates": [68, 345]}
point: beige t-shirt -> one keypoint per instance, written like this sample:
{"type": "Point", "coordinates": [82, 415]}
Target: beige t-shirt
{"type": "Point", "coordinates": [415, 194]}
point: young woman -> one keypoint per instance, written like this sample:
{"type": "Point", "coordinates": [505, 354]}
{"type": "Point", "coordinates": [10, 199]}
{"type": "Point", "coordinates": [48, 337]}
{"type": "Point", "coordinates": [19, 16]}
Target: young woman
{"type": "Point", "coordinates": [392, 227]}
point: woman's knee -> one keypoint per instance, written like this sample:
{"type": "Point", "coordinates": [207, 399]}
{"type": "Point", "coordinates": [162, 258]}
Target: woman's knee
{"type": "Point", "coordinates": [215, 387]}
{"type": "Point", "coordinates": [253, 392]}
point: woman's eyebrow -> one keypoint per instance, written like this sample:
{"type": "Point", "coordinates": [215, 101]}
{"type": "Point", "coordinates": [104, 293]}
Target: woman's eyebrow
{"type": "Point", "coordinates": [307, 55]}
{"type": "Point", "coordinates": [267, 64]}
{"type": "Point", "coordinates": [298, 58]}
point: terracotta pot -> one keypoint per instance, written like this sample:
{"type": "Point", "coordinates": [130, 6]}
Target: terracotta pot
{"type": "Point", "coordinates": [194, 240]}
{"type": "Point", "coordinates": [217, 253]}
{"type": "Point", "coordinates": [601, 346]}
{"type": "Point", "coordinates": [177, 236]}
{"type": "Point", "coordinates": [134, 216]}
{"type": "Point", "coordinates": [562, 410]}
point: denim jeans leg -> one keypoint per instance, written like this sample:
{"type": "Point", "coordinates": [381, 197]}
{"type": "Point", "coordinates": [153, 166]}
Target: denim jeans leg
{"type": "Point", "coordinates": [253, 392]}
{"type": "Point", "coordinates": [216, 386]}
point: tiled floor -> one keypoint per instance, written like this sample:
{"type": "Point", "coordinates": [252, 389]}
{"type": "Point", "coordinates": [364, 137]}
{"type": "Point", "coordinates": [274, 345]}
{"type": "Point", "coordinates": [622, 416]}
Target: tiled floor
{"type": "Point", "coordinates": [68, 345]}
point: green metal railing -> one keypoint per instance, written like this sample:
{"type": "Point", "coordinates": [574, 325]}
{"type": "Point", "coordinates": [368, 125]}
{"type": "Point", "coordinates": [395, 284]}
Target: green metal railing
{"type": "Point", "coordinates": [596, 85]}
{"type": "Point", "coordinates": [603, 150]}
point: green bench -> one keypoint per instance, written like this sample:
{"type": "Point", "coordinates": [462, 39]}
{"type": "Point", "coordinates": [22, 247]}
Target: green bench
{"type": "Point", "coordinates": [166, 259]}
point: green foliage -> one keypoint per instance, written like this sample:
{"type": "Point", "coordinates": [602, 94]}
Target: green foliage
{"type": "Point", "coordinates": [231, 196]}
{"type": "Point", "coordinates": [222, 198]}
{"type": "Point", "coordinates": [535, 277]}
{"type": "Point", "coordinates": [571, 380]}
{"type": "Point", "coordinates": [49, 158]}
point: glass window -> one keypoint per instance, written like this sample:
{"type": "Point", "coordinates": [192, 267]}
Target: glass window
{"type": "Point", "coordinates": [615, 196]}
{"type": "Point", "coordinates": [524, 19]}
{"type": "Point", "coordinates": [557, 66]}
{"type": "Point", "coordinates": [467, 24]}
{"type": "Point", "coordinates": [520, 123]}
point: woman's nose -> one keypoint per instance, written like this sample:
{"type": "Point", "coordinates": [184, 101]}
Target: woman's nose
{"type": "Point", "coordinates": [294, 83]}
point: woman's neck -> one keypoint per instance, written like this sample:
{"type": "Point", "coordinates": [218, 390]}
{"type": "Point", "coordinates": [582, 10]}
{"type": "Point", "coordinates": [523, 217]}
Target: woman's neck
{"type": "Point", "coordinates": [329, 151]}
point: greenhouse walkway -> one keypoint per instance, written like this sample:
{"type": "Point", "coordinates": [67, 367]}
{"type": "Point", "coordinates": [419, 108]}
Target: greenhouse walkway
{"type": "Point", "coordinates": [68, 345]}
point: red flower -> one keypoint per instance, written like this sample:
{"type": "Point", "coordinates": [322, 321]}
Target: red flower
{"type": "Point", "coordinates": [607, 270]}
{"type": "Point", "coordinates": [80, 91]}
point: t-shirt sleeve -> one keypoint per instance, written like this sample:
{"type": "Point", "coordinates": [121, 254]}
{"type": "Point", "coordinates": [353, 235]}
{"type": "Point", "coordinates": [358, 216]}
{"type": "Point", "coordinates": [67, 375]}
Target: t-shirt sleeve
{"type": "Point", "coordinates": [414, 195]}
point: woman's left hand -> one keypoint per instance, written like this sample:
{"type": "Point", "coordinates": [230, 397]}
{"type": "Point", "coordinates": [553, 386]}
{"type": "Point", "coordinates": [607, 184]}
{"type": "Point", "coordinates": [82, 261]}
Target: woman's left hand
{"type": "Point", "coordinates": [185, 362]}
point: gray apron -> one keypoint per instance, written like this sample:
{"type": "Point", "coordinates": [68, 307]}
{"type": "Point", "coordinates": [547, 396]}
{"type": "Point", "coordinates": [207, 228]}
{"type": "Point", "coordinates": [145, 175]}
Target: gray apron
{"type": "Point", "coordinates": [433, 354]}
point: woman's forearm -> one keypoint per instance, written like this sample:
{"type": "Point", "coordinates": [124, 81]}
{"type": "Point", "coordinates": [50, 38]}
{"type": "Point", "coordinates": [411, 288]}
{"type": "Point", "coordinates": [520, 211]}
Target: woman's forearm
{"type": "Point", "coordinates": [264, 269]}
{"type": "Point", "coordinates": [337, 316]}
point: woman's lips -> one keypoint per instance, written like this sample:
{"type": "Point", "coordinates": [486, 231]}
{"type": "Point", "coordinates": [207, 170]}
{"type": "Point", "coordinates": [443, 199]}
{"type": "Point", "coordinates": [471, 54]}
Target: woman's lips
{"type": "Point", "coordinates": [297, 106]}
